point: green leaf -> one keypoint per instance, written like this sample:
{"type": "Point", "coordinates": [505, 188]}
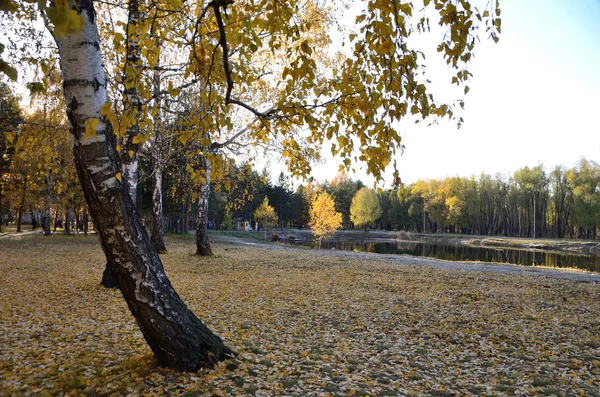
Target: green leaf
{"type": "Point", "coordinates": [8, 70]}
{"type": "Point", "coordinates": [36, 87]}
{"type": "Point", "coordinates": [65, 20]}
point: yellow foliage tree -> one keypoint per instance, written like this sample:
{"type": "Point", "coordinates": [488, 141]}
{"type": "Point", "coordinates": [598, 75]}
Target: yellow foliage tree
{"type": "Point", "coordinates": [265, 215]}
{"type": "Point", "coordinates": [324, 219]}
{"type": "Point", "coordinates": [365, 207]}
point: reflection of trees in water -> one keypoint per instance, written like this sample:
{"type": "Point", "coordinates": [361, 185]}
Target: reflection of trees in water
{"type": "Point", "coordinates": [460, 253]}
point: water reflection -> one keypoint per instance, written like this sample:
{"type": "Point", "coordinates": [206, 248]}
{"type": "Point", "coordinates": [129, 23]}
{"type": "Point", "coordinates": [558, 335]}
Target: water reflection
{"type": "Point", "coordinates": [482, 254]}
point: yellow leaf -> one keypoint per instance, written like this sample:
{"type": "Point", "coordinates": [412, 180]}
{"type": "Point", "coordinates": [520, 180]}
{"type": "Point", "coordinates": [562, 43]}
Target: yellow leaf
{"type": "Point", "coordinates": [184, 136]}
{"type": "Point", "coordinates": [130, 153]}
{"type": "Point", "coordinates": [137, 139]}
{"type": "Point", "coordinates": [118, 176]}
{"type": "Point", "coordinates": [91, 125]}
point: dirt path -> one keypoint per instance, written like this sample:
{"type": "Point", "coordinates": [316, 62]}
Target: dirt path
{"type": "Point", "coordinates": [15, 235]}
{"type": "Point", "coordinates": [408, 260]}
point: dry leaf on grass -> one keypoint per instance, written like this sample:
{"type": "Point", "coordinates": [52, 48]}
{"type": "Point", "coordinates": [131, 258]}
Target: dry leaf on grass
{"type": "Point", "coordinates": [303, 324]}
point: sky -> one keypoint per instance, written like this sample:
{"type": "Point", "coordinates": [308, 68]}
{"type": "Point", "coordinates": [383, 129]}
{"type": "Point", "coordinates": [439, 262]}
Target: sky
{"type": "Point", "coordinates": [534, 99]}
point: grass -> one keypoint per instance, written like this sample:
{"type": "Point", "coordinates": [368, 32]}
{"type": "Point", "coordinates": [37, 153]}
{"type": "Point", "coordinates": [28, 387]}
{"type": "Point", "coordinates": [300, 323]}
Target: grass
{"type": "Point", "coordinates": [303, 323]}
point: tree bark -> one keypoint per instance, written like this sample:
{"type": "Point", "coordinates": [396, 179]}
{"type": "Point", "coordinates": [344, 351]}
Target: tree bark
{"type": "Point", "coordinates": [1, 221]}
{"type": "Point", "coordinates": [22, 205]}
{"type": "Point", "coordinates": [86, 222]}
{"type": "Point", "coordinates": [131, 99]}
{"type": "Point", "coordinates": [158, 219]}
{"type": "Point", "coordinates": [67, 221]}
{"type": "Point", "coordinates": [19, 218]}
{"type": "Point", "coordinates": [176, 336]}
{"type": "Point", "coordinates": [77, 219]}
{"type": "Point", "coordinates": [202, 244]}
{"type": "Point", "coordinates": [47, 200]}
{"type": "Point", "coordinates": [56, 218]}
{"type": "Point", "coordinates": [131, 106]}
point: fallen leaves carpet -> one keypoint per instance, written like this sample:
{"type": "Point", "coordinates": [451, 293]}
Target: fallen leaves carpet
{"type": "Point", "coordinates": [302, 323]}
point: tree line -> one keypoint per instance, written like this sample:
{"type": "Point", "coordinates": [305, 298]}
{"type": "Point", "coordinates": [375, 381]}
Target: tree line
{"type": "Point", "coordinates": [533, 202]}
{"type": "Point", "coordinates": [38, 177]}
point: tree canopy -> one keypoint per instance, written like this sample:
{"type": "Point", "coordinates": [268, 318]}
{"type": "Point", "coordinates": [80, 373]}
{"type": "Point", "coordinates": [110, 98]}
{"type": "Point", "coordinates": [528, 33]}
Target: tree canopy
{"type": "Point", "coordinates": [265, 214]}
{"type": "Point", "coordinates": [324, 219]}
{"type": "Point", "coordinates": [365, 208]}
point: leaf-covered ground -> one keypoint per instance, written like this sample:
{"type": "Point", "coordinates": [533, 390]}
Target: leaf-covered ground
{"type": "Point", "coordinates": [302, 323]}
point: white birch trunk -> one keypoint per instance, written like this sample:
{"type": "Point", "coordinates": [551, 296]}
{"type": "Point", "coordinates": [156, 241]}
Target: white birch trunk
{"type": "Point", "coordinates": [158, 220]}
{"type": "Point", "coordinates": [175, 335]}
{"type": "Point", "coordinates": [202, 244]}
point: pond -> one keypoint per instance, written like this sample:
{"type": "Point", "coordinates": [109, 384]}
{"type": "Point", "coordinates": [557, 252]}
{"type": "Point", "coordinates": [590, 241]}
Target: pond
{"type": "Point", "coordinates": [468, 253]}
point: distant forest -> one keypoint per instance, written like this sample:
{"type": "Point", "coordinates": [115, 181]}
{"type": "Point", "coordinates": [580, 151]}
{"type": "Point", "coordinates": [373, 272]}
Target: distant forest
{"type": "Point", "coordinates": [531, 202]}
{"type": "Point", "coordinates": [564, 202]}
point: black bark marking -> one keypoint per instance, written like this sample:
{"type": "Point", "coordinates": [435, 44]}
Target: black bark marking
{"type": "Point", "coordinates": [87, 6]}
{"type": "Point", "coordinates": [97, 85]}
{"type": "Point", "coordinates": [81, 83]}
{"type": "Point", "coordinates": [73, 105]}
{"type": "Point", "coordinates": [94, 44]}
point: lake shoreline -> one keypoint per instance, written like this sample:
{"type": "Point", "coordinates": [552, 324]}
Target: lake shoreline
{"type": "Point", "coordinates": [585, 247]}
{"type": "Point", "coordinates": [408, 260]}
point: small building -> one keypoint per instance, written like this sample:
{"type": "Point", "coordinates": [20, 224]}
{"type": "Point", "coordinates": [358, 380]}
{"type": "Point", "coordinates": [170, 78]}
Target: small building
{"type": "Point", "coordinates": [243, 224]}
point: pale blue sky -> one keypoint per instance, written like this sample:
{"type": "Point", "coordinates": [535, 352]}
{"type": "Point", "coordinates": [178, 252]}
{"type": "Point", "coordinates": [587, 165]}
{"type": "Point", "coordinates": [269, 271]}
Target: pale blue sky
{"type": "Point", "coordinates": [535, 98]}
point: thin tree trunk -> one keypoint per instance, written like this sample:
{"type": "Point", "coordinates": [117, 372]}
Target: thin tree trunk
{"type": "Point", "coordinates": [157, 220]}
{"type": "Point", "coordinates": [33, 218]}
{"type": "Point", "coordinates": [86, 222]}
{"type": "Point", "coordinates": [22, 204]}
{"type": "Point", "coordinates": [77, 221]}
{"type": "Point", "coordinates": [67, 221]}
{"type": "Point", "coordinates": [131, 99]}
{"type": "Point", "coordinates": [202, 244]}
{"type": "Point", "coordinates": [19, 219]}
{"type": "Point", "coordinates": [132, 107]}
{"type": "Point", "coordinates": [56, 217]}
{"type": "Point", "coordinates": [176, 336]}
{"type": "Point", "coordinates": [47, 200]}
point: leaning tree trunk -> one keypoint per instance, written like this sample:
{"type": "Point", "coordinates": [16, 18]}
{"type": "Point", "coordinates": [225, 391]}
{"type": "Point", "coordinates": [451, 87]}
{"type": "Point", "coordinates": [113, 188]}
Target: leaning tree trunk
{"type": "Point", "coordinates": [176, 336]}
{"type": "Point", "coordinates": [202, 244]}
